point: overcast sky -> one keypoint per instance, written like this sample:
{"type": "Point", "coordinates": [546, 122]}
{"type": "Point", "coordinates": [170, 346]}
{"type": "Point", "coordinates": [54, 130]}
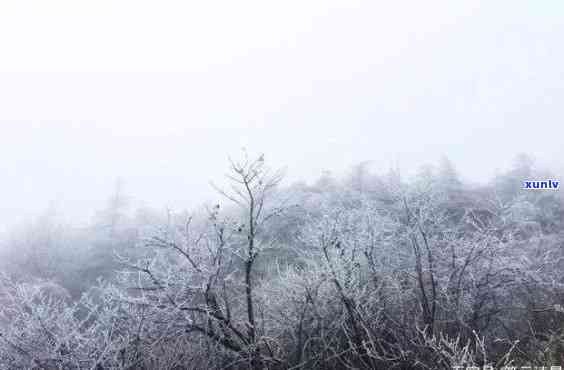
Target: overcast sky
{"type": "Point", "coordinates": [159, 93]}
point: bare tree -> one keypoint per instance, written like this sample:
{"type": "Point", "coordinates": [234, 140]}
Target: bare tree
{"type": "Point", "coordinates": [252, 184]}
{"type": "Point", "coordinates": [202, 267]}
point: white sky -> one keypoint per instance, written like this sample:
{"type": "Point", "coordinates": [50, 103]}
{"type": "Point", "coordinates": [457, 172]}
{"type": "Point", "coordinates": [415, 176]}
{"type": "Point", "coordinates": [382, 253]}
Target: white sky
{"type": "Point", "coordinates": [160, 93]}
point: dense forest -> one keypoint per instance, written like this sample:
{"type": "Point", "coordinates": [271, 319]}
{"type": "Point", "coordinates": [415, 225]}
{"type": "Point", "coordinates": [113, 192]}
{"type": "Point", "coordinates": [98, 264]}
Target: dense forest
{"type": "Point", "coordinates": [360, 271]}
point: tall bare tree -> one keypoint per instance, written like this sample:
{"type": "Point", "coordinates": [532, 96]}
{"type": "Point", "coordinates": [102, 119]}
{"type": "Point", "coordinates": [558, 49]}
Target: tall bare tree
{"type": "Point", "coordinates": [251, 185]}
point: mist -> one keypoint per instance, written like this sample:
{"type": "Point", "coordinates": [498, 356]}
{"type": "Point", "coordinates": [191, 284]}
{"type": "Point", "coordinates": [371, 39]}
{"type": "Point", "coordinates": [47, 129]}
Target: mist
{"type": "Point", "coordinates": [317, 87]}
{"type": "Point", "coordinates": [292, 185]}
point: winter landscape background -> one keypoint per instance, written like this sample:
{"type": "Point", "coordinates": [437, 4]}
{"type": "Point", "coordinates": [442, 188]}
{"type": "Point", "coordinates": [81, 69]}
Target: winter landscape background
{"type": "Point", "coordinates": [290, 185]}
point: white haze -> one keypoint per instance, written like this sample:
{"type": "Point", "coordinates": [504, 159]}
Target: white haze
{"type": "Point", "coordinates": [160, 93]}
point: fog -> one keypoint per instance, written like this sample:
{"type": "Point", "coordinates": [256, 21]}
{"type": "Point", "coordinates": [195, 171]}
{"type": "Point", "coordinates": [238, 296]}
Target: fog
{"type": "Point", "coordinates": [159, 95]}
{"type": "Point", "coordinates": [251, 185]}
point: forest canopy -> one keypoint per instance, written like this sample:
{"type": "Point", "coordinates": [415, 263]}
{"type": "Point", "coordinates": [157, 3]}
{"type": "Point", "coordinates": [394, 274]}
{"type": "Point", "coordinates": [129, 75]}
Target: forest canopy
{"type": "Point", "coordinates": [363, 271]}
